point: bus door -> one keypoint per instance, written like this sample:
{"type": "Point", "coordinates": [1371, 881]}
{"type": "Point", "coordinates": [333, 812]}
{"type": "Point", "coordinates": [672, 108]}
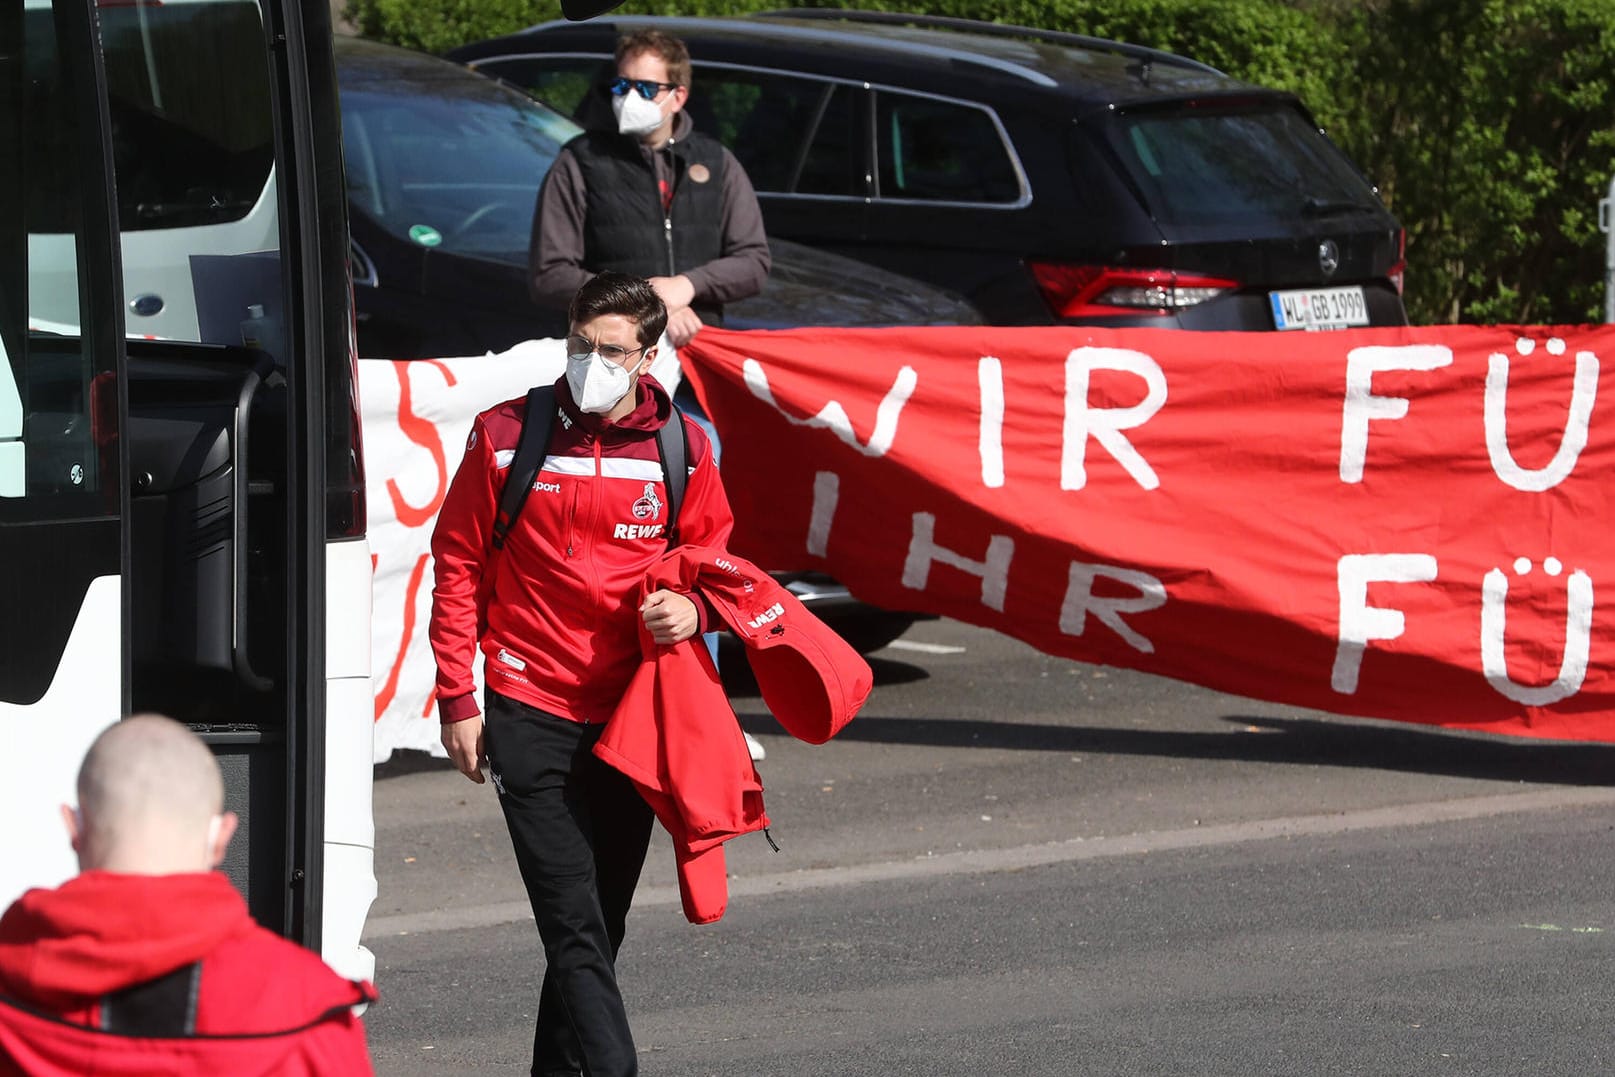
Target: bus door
{"type": "Point", "coordinates": [62, 495]}
{"type": "Point", "coordinates": [183, 376]}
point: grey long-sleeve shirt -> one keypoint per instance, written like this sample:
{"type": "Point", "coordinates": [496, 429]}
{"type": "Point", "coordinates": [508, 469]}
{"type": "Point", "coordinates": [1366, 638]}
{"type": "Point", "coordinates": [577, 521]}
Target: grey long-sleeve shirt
{"type": "Point", "coordinates": [555, 256]}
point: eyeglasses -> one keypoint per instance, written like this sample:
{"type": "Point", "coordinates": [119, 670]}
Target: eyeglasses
{"type": "Point", "coordinates": [582, 347]}
{"type": "Point", "coordinates": [647, 89]}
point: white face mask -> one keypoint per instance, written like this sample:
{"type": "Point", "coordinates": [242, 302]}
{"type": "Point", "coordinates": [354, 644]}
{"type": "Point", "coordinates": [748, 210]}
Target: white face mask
{"type": "Point", "coordinates": [597, 386]}
{"type": "Point", "coordinates": [635, 115]}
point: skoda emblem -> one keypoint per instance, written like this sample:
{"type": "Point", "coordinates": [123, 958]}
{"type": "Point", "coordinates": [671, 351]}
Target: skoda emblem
{"type": "Point", "coordinates": [1328, 257]}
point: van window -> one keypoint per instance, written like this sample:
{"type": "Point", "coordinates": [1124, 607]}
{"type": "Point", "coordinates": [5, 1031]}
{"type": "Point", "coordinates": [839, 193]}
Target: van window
{"type": "Point", "coordinates": [941, 151]}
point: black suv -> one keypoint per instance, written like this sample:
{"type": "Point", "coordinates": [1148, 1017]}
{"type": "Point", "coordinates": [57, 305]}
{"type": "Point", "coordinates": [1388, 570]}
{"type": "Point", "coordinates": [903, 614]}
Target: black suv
{"type": "Point", "coordinates": [443, 169]}
{"type": "Point", "coordinates": [1046, 176]}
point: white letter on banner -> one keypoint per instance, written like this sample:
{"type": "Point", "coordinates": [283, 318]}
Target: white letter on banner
{"type": "Point", "coordinates": [1360, 622]}
{"type": "Point", "coordinates": [990, 377]}
{"type": "Point", "coordinates": [1361, 403]}
{"type": "Point", "coordinates": [1578, 636]}
{"type": "Point", "coordinates": [833, 416]}
{"type": "Point", "coordinates": [1583, 394]}
{"type": "Point", "coordinates": [1104, 425]}
{"type": "Point", "coordinates": [1079, 600]}
{"type": "Point", "coordinates": [994, 572]}
{"type": "Point", "coordinates": [826, 493]}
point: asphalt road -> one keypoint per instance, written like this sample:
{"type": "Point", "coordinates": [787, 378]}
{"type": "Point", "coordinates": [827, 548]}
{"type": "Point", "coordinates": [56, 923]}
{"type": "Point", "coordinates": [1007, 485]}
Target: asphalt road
{"type": "Point", "coordinates": [1015, 864]}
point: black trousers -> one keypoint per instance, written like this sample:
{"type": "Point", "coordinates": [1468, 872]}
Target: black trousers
{"type": "Point", "coordinates": [580, 831]}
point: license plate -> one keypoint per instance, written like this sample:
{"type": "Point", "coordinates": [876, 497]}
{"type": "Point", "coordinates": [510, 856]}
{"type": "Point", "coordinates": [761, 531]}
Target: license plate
{"type": "Point", "coordinates": [1319, 308]}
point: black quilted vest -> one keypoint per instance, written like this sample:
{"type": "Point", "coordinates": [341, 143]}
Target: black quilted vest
{"type": "Point", "coordinates": [623, 225]}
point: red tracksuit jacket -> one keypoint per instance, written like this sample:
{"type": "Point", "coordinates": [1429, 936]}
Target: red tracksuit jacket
{"type": "Point", "coordinates": [558, 620]}
{"type": "Point", "coordinates": [675, 734]}
{"type": "Point", "coordinates": [274, 1007]}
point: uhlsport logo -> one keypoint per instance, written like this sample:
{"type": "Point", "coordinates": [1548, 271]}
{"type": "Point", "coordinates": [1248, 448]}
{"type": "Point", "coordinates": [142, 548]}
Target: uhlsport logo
{"type": "Point", "coordinates": [542, 487]}
{"type": "Point", "coordinates": [648, 507]}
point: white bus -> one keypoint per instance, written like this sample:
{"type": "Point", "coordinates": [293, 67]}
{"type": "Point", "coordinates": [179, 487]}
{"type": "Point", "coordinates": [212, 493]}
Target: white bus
{"type": "Point", "coordinates": [181, 477]}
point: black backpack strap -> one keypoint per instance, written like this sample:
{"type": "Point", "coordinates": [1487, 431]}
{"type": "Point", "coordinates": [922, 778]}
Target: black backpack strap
{"type": "Point", "coordinates": [164, 1007]}
{"type": "Point", "coordinates": [524, 466]}
{"type": "Point", "coordinates": [673, 446]}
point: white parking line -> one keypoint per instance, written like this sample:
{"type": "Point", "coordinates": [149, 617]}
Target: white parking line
{"type": "Point", "coordinates": [974, 861]}
{"type": "Point", "coordinates": [924, 648]}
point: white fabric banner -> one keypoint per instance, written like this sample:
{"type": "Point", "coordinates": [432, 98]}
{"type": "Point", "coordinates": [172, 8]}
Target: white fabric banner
{"type": "Point", "coordinates": [416, 415]}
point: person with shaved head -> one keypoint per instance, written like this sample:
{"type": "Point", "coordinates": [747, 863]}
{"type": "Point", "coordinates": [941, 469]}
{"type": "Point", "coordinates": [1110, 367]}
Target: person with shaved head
{"type": "Point", "coordinates": [149, 945]}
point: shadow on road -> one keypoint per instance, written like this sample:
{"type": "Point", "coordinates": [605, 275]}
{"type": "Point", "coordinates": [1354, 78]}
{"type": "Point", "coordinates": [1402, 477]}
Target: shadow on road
{"type": "Point", "coordinates": [740, 684]}
{"type": "Point", "coordinates": [737, 682]}
{"type": "Point", "coordinates": [1304, 741]}
{"type": "Point", "coordinates": [409, 761]}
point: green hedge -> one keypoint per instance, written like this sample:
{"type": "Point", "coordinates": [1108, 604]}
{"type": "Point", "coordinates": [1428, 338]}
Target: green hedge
{"type": "Point", "coordinates": [1489, 125]}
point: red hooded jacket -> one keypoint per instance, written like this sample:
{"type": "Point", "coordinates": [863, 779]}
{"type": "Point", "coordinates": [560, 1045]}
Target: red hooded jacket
{"type": "Point", "coordinates": [675, 734]}
{"type": "Point", "coordinates": [274, 1006]}
{"type": "Point", "coordinates": [557, 619]}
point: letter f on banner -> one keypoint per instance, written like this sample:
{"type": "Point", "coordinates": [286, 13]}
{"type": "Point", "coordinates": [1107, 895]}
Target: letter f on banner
{"type": "Point", "coordinates": [1363, 405]}
{"type": "Point", "coordinates": [1360, 622]}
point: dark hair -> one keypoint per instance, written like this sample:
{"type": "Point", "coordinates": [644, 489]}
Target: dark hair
{"type": "Point", "coordinates": [669, 49]}
{"type": "Point", "coordinates": [619, 293]}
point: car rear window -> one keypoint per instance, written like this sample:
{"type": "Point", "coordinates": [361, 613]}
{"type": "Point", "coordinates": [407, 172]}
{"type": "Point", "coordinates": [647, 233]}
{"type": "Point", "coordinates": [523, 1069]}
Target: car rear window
{"type": "Point", "coordinates": [1245, 164]}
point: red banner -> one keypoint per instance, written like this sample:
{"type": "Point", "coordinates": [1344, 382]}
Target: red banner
{"type": "Point", "coordinates": [1410, 524]}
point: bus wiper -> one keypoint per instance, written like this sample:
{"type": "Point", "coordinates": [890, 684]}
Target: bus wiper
{"type": "Point", "coordinates": [195, 210]}
{"type": "Point", "coordinates": [1322, 207]}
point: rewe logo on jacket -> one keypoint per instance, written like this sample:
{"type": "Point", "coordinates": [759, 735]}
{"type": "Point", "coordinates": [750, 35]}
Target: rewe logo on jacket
{"type": "Point", "coordinates": [772, 613]}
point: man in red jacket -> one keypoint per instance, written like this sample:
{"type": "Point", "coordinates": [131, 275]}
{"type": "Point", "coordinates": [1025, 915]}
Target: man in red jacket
{"type": "Point", "coordinates": [149, 951]}
{"type": "Point", "coordinates": [556, 615]}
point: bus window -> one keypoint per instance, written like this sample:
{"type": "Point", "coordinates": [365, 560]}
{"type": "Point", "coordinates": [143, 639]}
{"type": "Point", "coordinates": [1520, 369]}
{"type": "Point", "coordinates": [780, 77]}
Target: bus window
{"type": "Point", "coordinates": [193, 151]}
{"type": "Point", "coordinates": [51, 464]}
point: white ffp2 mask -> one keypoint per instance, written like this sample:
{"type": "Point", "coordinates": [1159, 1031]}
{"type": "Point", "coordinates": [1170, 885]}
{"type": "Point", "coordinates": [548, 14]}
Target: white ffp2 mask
{"type": "Point", "coordinates": [635, 115]}
{"type": "Point", "coordinates": [597, 385]}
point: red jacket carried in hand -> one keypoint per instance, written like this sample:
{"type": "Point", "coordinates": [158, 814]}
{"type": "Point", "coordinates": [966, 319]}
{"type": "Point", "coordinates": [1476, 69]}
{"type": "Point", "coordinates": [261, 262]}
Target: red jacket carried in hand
{"type": "Point", "coordinates": [120, 975]}
{"type": "Point", "coordinates": [675, 734]}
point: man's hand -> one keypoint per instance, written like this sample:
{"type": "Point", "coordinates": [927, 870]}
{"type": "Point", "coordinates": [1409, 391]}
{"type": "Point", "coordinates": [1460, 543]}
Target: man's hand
{"type": "Point", "coordinates": [682, 324]}
{"type": "Point", "coordinates": [463, 739]}
{"type": "Point", "coordinates": [675, 292]}
{"type": "Point", "coordinates": [670, 617]}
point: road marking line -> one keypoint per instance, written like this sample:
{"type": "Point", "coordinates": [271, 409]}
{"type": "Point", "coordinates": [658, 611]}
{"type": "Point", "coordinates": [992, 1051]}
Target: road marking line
{"type": "Point", "coordinates": [977, 861]}
{"type": "Point", "coordinates": [924, 648]}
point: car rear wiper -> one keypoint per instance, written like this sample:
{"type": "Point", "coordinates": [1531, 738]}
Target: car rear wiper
{"type": "Point", "coordinates": [1322, 207]}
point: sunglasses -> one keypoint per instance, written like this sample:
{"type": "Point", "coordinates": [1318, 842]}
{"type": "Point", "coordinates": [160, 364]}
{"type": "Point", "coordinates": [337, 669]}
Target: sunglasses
{"type": "Point", "coordinates": [647, 89]}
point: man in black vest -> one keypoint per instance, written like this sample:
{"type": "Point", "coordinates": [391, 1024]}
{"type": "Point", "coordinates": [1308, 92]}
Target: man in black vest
{"type": "Point", "coordinates": [657, 199]}
{"type": "Point", "coordinates": [653, 198]}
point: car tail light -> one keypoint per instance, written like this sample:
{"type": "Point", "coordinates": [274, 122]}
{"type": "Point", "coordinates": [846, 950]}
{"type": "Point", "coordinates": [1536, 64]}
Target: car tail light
{"type": "Point", "coordinates": [1089, 291]}
{"type": "Point", "coordinates": [1399, 270]}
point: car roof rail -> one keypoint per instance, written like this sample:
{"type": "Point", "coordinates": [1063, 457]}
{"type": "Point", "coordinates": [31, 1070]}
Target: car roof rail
{"type": "Point", "coordinates": [994, 29]}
